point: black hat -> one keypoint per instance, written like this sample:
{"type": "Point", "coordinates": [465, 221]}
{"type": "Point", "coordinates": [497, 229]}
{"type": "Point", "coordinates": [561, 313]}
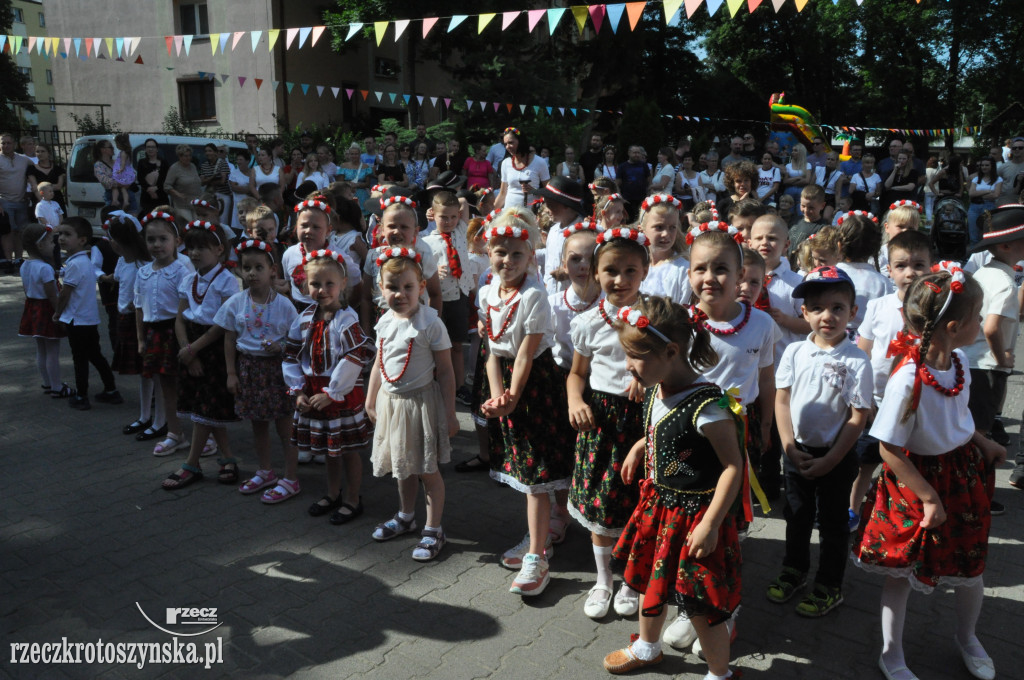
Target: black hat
{"type": "Point", "coordinates": [372, 205]}
{"type": "Point", "coordinates": [1007, 225]}
{"type": "Point", "coordinates": [563, 191]}
{"type": "Point", "coordinates": [446, 181]}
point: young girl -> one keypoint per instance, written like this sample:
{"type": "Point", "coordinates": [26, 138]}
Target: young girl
{"type": "Point", "coordinates": [311, 172]}
{"type": "Point", "coordinates": [901, 216]}
{"type": "Point", "coordinates": [37, 322]}
{"type": "Point", "coordinates": [609, 211]}
{"type": "Point", "coordinates": [769, 178]}
{"type": "Point", "coordinates": [414, 414]}
{"type": "Point", "coordinates": [822, 249]}
{"type": "Point", "coordinates": [203, 394]}
{"type": "Point", "coordinates": [583, 292]}
{"type": "Point", "coordinates": [986, 185]}
{"type": "Point", "coordinates": [124, 174]}
{"type": "Point", "coordinates": [255, 323]}
{"type": "Point", "coordinates": [928, 523]}
{"type": "Point", "coordinates": [529, 451]}
{"type": "Point", "coordinates": [346, 224]}
{"type": "Point", "coordinates": [660, 222]}
{"type": "Point", "coordinates": [861, 239]}
{"type": "Point", "coordinates": [681, 542]}
{"type": "Point", "coordinates": [126, 240]}
{"type": "Point", "coordinates": [156, 308]}
{"type": "Point", "coordinates": [607, 415]}
{"type": "Point", "coordinates": [324, 355]}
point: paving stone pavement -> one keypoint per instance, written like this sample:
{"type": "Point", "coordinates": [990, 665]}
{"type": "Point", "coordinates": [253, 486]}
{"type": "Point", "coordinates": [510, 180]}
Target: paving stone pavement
{"type": "Point", "coordinates": [90, 541]}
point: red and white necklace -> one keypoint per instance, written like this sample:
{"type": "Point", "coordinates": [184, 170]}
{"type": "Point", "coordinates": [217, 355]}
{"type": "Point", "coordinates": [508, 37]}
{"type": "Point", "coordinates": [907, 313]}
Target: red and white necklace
{"type": "Point", "coordinates": [698, 314]}
{"type": "Point", "coordinates": [195, 285]}
{"type": "Point", "coordinates": [405, 364]}
{"type": "Point", "coordinates": [577, 310]}
{"type": "Point", "coordinates": [604, 314]}
{"type": "Point", "coordinates": [929, 379]}
{"type": "Point", "coordinates": [511, 313]}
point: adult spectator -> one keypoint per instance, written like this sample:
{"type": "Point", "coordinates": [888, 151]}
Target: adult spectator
{"type": "Point", "coordinates": [240, 183]}
{"type": "Point", "coordinates": [852, 166]}
{"type": "Point", "coordinates": [325, 155]}
{"type": "Point", "coordinates": [749, 147]}
{"type": "Point", "coordinates": [686, 182]}
{"type": "Point", "coordinates": [819, 152]}
{"type": "Point", "coordinates": [682, 147]}
{"type": "Point", "coordinates": [798, 173]}
{"type": "Point", "coordinates": [311, 172]}
{"type": "Point", "coordinates": [665, 171]}
{"type": "Point", "coordinates": [182, 182]}
{"type": "Point", "coordinates": [522, 173]}
{"type": "Point", "coordinates": [919, 165]}
{"type": "Point", "coordinates": [277, 151]}
{"type": "Point", "coordinates": [213, 175]}
{"type": "Point", "coordinates": [949, 180]}
{"type": "Point", "coordinates": [885, 166]}
{"type": "Point", "coordinates": [358, 174]}
{"type": "Point", "coordinates": [28, 147]}
{"type": "Point", "coordinates": [305, 143]}
{"type": "Point", "coordinates": [450, 160]}
{"type": "Point", "coordinates": [496, 153]}
{"type": "Point", "coordinates": [740, 180]}
{"type": "Point", "coordinates": [13, 206]}
{"type": "Point", "coordinates": [984, 188]}
{"type": "Point", "coordinates": [151, 171]}
{"type": "Point", "coordinates": [1012, 173]}
{"type": "Point", "coordinates": [370, 156]}
{"type": "Point", "coordinates": [634, 179]}
{"type": "Point", "coordinates": [735, 153]}
{"type": "Point", "coordinates": [607, 167]}
{"type": "Point", "coordinates": [421, 137]}
{"type": "Point", "coordinates": [265, 172]}
{"type": "Point", "coordinates": [103, 167]}
{"type": "Point", "coordinates": [391, 170]}
{"type": "Point", "coordinates": [45, 169]}
{"type": "Point", "coordinates": [477, 170]}
{"type": "Point", "coordinates": [901, 183]}
{"type": "Point", "coordinates": [418, 167]}
{"type": "Point", "coordinates": [290, 173]}
{"type": "Point", "coordinates": [252, 143]}
{"type": "Point", "coordinates": [592, 157]}
{"type": "Point", "coordinates": [772, 147]}
{"type": "Point", "coordinates": [570, 167]}
{"type": "Point", "coordinates": [712, 179]}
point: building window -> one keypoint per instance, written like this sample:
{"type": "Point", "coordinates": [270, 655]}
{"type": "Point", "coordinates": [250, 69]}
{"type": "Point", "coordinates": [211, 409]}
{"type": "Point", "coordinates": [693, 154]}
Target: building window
{"type": "Point", "coordinates": [193, 18]}
{"type": "Point", "coordinates": [49, 77]}
{"type": "Point", "coordinates": [52, 107]}
{"type": "Point", "coordinates": [42, 20]}
{"type": "Point", "coordinates": [196, 100]}
{"type": "Point", "coordinates": [385, 68]}
{"type": "Point", "coordinates": [26, 71]}
{"type": "Point", "coordinates": [19, 16]}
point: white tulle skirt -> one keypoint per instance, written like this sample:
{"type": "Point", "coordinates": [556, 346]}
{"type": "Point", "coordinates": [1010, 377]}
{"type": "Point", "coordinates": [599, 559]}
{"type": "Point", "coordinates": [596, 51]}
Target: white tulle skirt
{"type": "Point", "coordinates": [411, 434]}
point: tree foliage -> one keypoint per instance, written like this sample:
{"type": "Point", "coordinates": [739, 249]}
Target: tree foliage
{"type": "Point", "coordinates": [13, 83]}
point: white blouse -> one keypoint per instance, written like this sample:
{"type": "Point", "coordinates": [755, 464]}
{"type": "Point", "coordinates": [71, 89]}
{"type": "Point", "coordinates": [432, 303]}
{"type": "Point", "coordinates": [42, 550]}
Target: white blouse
{"type": "Point", "coordinates": [256, 325]}
{"type": "Point", "coordinates": [742, 355]}
{"type": "Point", "coordinates": [124, 274]}
{"type": "Point", "coordinates": [669, 279]}
{"type": "Point", "coordinates": [34, 275]}
{"type": "Point", "coordinates": [593, 337]}
{"type": "Point", "coordinates": [292, 258]}
{"type": "Point", "coordinates": [883, 319]}
{"type": "Point", "coordinates": [206, 293]}
{"type": "Point", "coordinates": [565, 307]}
{"type": "Point", "coordinates": [426, 333]}
{"type": "Point", "coordinates": [156, 291]}
{"type": "Point", "coordinates": [526, 312]}
{"type": "Point", "coordinates": [370, 268]}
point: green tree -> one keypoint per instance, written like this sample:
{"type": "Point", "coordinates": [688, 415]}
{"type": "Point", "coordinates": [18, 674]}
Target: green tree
{"type": "Point", "coordinates": [13, 83]}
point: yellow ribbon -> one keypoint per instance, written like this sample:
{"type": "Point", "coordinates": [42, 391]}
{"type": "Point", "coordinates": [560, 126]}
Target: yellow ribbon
{"type": "Point", "coordinates": [730, 402]}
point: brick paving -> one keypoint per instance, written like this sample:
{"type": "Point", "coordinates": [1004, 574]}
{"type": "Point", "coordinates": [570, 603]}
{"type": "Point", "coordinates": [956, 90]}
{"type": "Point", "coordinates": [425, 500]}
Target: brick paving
{"type": "Point", "coordinates": [87, 533]}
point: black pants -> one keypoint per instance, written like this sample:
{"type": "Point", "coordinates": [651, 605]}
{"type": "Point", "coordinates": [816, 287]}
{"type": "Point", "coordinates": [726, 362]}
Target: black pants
{"type": "Point", "coordinates": [988, 390]}
{"type": "Point", "coordinates": [85, 350]}
{"type": "Point", "coordinates": [827, 499]}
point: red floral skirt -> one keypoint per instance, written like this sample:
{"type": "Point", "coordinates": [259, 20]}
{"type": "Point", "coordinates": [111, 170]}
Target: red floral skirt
{"type": "Point", "coordinates": [37, 320]}
{"type": "Point", "coordinates": [891, 540]}
{"type": "Point", "coordinates": [659, 563]}
{"type": "Point", "coordinates": [161, 349]}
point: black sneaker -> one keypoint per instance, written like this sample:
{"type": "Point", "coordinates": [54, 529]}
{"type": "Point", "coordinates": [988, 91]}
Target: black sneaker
{"type": "Point", "coordinates": [464, 396]}
{"type": "Point", "coordinates": [999, 435]}
{"type": "Point", "coordinates": [109, 397]}
{"type": "Point", "coordinates": [79, 403]}
{"type": "Point", "coordinates": [997, 508]}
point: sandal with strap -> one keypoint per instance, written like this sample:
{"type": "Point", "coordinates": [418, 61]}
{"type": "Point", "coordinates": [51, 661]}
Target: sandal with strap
{"type": "Point", "coordinates": [285, 489]}
{"type": "Point", "coordinates": [785, 586]}
{"type": "Point", "coordinates": [429, 546]}
{"type": "Point", "coordinates": [820, 601]}
{"type": "Point", "coordinates": [62, 392]}
{"type": "Point", "coordinates": [474, 464]}
{"type": "Point", "coordinates": [210, 448]}
{"type": "Point", "coordinates": [395, 526]}
{"type": "Point", "coordinates": [259, 481]}
{"type": "Point", "coordinates": [227, 475]}
{"type": "Point", "coordinates": [175, 481]}
{"type": "Point", "coordinates": [169, 445]}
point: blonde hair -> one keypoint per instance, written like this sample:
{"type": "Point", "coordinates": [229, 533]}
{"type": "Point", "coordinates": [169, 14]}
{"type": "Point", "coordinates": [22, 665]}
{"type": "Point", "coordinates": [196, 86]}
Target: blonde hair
{"type": "Point", "coordinates": [903, 216]}
{"type": "Point", "coordinates": [517, 218]}
{"type": "Point", "coordinates": [399, 265]}
{"type": "Point", "coordinates": [43, 186]}
{"type": "Point", "coordinates": [825, 239]}
{"type": "Point", "coordinates": [319, 262]}
{"type": "Point", "coordinates": [674, 321]}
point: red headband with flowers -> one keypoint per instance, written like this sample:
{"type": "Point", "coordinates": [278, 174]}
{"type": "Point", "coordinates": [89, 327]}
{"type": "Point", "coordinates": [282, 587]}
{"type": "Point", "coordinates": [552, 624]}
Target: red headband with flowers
{"type": "Point", "coordinates": [956, 286]}
{"type": "Point", "coordinates": [313, 204]}
{"type": "Point", "coordinates": [160, 215]}
{"type": "Point", "coordinates": [490, 216]}
{"type": "Point", "coordinates": [255, 244]}
{"type": "Point", "coordinates": [636, 319]}
{"type": "Point", "coordinates": [711, 227]}
{"type": "Point", "coordinates": [203, 203]}
{"type": "Point", "coordinates": [48, 230]}
{"type": "Point", "coordinates": [205, 226]}
{"type": "Point", "coordinates": [508, 232]}
{"type": "Point", "coordinates": [392, 253]}
{"type": "Point", "coordinates": [325, 252]}
{"type": "Point", "coordinates": [395, 200]}
{"type": "Point", "coordinates": [862, 213]}
{"type": "Point", "coordinates": [585, 225]}
{"type": "Point", "coordinates": [623, 233]}
{"type": "Point", "coordinates": [658, 199]}
{"type": "Point", "coordinates": [905, 203]}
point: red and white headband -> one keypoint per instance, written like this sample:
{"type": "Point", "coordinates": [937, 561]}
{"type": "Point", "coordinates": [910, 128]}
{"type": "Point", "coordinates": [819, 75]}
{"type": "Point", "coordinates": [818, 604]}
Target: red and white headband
{"type": "Point", "coordinates": [658, 199]}
{"type": "Point", "coordinates": [508, 232]}
{"type": "Point", "coordinates": [636, 319]}
{"type": "Point", "coordinates": [48, 231]}
{"type": "Point", "coordinates": [862, 213]}
{"type": "Point", "coordinates": [710, 228]}
{"type": "Point", "coordinates": [162, 216]}
{"type": "Point", "coordinates": [255, 244]}
{"type": "Point", "coordinates": [585, 225]}
{"type": "Point", "coordinates": [484, 191]}
{"type": "Point", "coordinates": [392, 253]}
{"type": "Point", "coordinates": [203, 203]}
{"type": "Point", "coordinates": [313, 204]}
{"type": "Point", "coordinates": [490, 216]}
{"type": "Point", "coordinates": [329, 254]}
{"type": "Point", "coordinates": [956, 286]}
{"type": "Point", "coordinates": [204, 226]}
{"type": "Point", "coordinates": [395, 200]}
{"type": "Point", "coordinates": [905, 203]}
{"type": "Point", "coordinates": [377, 188]}
{"type": "Point", "coordinates": [623, 233]}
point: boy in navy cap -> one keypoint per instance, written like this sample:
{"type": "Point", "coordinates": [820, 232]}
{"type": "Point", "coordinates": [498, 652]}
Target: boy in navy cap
{"type": "Point", "coordinates": [822, 402]}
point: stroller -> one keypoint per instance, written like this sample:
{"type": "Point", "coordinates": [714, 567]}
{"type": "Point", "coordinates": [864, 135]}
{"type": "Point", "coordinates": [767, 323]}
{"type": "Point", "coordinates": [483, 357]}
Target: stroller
{"type": "Point", "coordinates": [949, 230]}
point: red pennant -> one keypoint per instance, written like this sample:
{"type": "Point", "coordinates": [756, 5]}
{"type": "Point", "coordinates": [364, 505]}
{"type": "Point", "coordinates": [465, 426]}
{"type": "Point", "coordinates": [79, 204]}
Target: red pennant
{"type": "Point", "coordinates": [258, 81]}
{"type": "Point", "coordinates": [509, 107]}
{"type": "Point", "coordinates": [597, 13]}
{"type": "Point", "coordinates": [753, 4]}
{"type": "Point", "coordinates": [138, 60]}
{"type": "Point", "coordinates": [169, 39]}
{"type": "Point", "coordinates": [365, 93]}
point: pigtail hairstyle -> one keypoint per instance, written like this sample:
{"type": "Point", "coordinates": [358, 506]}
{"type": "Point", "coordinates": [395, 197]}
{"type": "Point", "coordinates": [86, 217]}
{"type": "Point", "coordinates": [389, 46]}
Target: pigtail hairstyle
{"type": "Point", "coordinates": [672, 321]}
{"type": "Point", "coordinates": [861, 238]}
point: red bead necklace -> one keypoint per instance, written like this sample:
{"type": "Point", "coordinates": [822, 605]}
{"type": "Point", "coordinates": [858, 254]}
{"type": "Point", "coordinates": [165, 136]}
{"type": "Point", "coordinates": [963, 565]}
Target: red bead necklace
{"type": "Point", "coordinates": [195, 285]}
{"type": "Point", "coordinates": [929, 379]}
{"type": "Point", "coordinates": [604, 314]}
{"type": "Point", "coordinates": [577, 310]}
{"type": "Point", "coordinates": [699, 315]}
{"type": "Point", "coordinates": [511, 313]}
{"type": "Point", "coordinates": [405, 365]}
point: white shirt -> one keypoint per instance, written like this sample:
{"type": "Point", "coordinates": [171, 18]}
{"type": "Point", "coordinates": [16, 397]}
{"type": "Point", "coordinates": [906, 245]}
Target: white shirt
{"type": "Point", "coordinates": [940, 423]}
{"type": "Point", "coordinates": [156, 292]}
{"type": "Point", "coordinates": [451, 288]}
{"type": "Point", "coordinates": [868, 284]}
{"type": "Point", "coordinates": [742, 355]}
{"type": "Point", "coordinates": [997, 281]}
{"type": "Point", "coordinates": [319, 178]}
{"type": "Point", "coordinates": [669, 279]}
{"type": "Point", "coordinates": [82, 308]}
{"type": "Point", "coordinates": [49, 213]}
{"type": "Point", "coordinates": [342, 243]}
{"type": "Point", "coordinates": [370, 268]}
{"type": "Point", "coordinates": [256, 325]}
{"type": "Point", "coordinates": [34, 275]}
{"type": "Point", "coordinates": [867, 184]}
{"type": "Point", "coordinates": [124, 274]}
{"type": "Point", "coordinates": [292, 258]}
{"type": "Point", "coordinates": [536, 171]}
{"type": "Point", "coordinates": [826, 178]}
{"type": "Point", "coordinates": [427, 333]}
{"type": "Point", "coordinates": [781, 282]}
{"type": "Point", "coordinates": [477, 265]}
{"type": "Point", "coordinates": [531, 316]}
{"type": "Point", "coordinates": [563, 316]}
{"type": "Point", "coordinates": [205, 293]}
{"type": "Point", "coordinates": [766, 178]}
{"type": "Point", "coordinates": [717, 182]}
{"type": "Point", "coordinates": [594, 338]}
{"type": "Point", "coordinates": [883, 319]}
{"type": "Point", "coordinates": [824, 384]}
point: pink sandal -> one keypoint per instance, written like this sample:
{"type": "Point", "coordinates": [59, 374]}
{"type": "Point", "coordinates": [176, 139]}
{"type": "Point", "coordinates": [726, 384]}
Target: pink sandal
{"type": "Point", "coordinates": [284, 490]}
{"type": "Point", "coordinates": [169, 445]}
{"type": "Point", "coordinates": [261, 480]}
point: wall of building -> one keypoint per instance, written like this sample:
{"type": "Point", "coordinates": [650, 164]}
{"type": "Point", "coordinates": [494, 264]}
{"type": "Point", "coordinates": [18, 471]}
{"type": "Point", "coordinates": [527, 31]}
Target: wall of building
{"type": "Point", "coordinates": [39, 89]}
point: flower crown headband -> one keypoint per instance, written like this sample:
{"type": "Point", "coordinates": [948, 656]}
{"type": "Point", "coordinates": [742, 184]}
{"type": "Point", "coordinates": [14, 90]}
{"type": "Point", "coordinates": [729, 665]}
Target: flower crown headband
{"type": "Point", "coordinates": [905, 203]}
{"type": "Point", "coordinates": [490, 217]}
{"type": "Point", "coordinates": [485, 191]}
{"type": "Point", "coordinates": [508, 232]}
{"type": "Point", "coordinates": [658, 199]}
{"type": "Point", "coordinates": [585, 225]}
{"type": "Point", "coordinates": [122, 215]}
{"type": "Point", "coordinates": [163, 216]}
{"type": "Point", "coordinates": [862, 213]}
{"type": "Point", "coordinates": [392, 253]}
{"type": "Point", "coordinates": [255, 244]}
{"type": "Point", "coordinates": [636, 319]}
{"type": "Point", "coordinates": [956, 285]}
{"type": "Point", "coordinates": [713, 210]}
{"type": "Point", "coordinates": [615, 197]}
{"type": "Point", "coordinates": [202, 202]}
{"type": "Point", "coordinates": [325, 252]}
{"type": "Point", "coordinates": [313, 204]}
{"type": "Point", "coordinates": [204, 226]}
{"type": "Point", "coordinates": [621, 233]}
{"type": "Point", "coordinates": [377, 188]}
{"type": "Point", "coordinates": [710, 228]}
{"type": "Point", "coordinates": [48, 230]}
{"type": "Point", "coordinates": [396, 200]}
{"type": "Point", "coordinates": [513, 130]}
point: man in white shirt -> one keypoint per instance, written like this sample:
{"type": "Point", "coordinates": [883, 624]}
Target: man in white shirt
{"type": "Point", "coordinates": [13, 206]}
{"type": "Point", "coordinates": [1012, 173]}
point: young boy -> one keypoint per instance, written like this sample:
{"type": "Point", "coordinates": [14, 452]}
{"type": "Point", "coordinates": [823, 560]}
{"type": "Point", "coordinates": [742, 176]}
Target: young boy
{"type": "Point", "coordinates": [750, 290]}
{"type": "Point", "coordinates": [48, 211]}
{"type": "Point", "coordinates": [451, 249]}
{"type": "Point", "coordinates": [743, 213]}
{"type": "Point", "coordinates": [822, 402]}
{"type": "Point", "coordinates": [991, 355]}
{"type": "Point", "coordinates": [812, 204]}
{"type": "Point", "coordinates": [910, 257]}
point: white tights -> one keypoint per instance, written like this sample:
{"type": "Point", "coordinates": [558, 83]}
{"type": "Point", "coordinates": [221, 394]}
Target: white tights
{"type": "Point", "coordinates": [48, 361]}
{"type": "Point", "coordinates": [146, 387]}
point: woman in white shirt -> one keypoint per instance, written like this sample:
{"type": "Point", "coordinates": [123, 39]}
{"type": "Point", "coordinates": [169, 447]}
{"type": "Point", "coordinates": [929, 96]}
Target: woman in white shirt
{"type": "Point", "coordinates": [522, 173]}
{"type": "Point", "coordinates": [986, 185]}
{"type": "Point", "coordinates": [769, 178]}
{"type": "Point", "coordinates": [798, 172]}
{"type": "Point", "coordinates": [664, 173]}
{"type": "Point", "coordinates": [712, 180]}
{"type": "Point", "coordinates": [311, 172]}
{"type": "Point", "coordinates": [687, 183]}
{"type": "Point", "coordinates": [607, 168]}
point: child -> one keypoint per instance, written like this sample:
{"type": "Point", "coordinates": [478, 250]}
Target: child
{"type": "Point", "coordinates": [743, 213]}
{"type": "Point", "coordinates": [845, 204]}
{"type": "Point", "coordinates": [609, 211]}
{"type": "Point", "coordinates": [607, 415]}
{"type": "Point", "coordinates": [681, 541]}
{"type": "Point", "coordinates": [48, 211]}
{"type": "Point", "coordinates": [450, 247]}
{"type": "Point", "coordinates": [527, 398]}
{"type": "Point", "coordinates": [929, 519]}
{"type": "Point", "coordinates": [750, 290]}
{"type": "Point", "coordinates": [203, 394]}
{"type": "Point", "coordinates": [787, 210]}
{"type": "Point", "coordinates": [583, 291]}
{"type": "Point", "coordinates": [910, 257]}
{"type": "Point", "coordinates": [242, 210]}
{"type": "Point", "coordinates": [860, 239]}
{"type": "Point", "coordinates": [325, 353]}
{"type": "Point", "coordinates": [156, 308]}
{"type": "Point", "coordinates": [901, 216]}
{"type": "Point", "coordinates": [823, 249]}
{"type": "Point", "coordinates": [660, 222]}
{"type": "Point", "coordinates": [414, 414]}
{"type": "Point", "coordinates": [769, 237]}
{"type": "Point", "coordinates": [126, 240]}
{"type": "Point", "coordinates": [123, 175]}
{"type": "Point", "coordinates": [812, 205]}
{"type": "Point", "coordinates": [822, 402]}
{"type": "Point", "coordinates": [37, 320]}
{"type": "Point", "coordinates": [78, 310]}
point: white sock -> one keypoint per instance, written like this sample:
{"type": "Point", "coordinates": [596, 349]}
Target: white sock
{"type": "Point", "coordinates": [894, 613]}
{"type": "Point", "coordinates": [712, 676]}
{"type": "Point", "coordinates": [146, 386]}
{"type": "Point", "coordinates": [436, 529]}
{"type": "Point", "coordinates": [968, 609]}
{"type": "Point", "coordinates": [159, 417]}
{"type": "Point", "coordinates": [406, 516]}
{"type": "Point", "coordinates": [603, 559]}
{"type": "Point", "coordinates": [646, 651]}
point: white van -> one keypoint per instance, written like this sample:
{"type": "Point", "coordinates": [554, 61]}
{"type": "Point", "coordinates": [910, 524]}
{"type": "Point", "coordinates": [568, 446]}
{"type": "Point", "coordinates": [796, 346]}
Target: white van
{"type": "Point", "coordinates": [85, 193]}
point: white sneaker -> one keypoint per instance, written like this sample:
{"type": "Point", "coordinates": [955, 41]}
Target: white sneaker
{"type": "Point", "coordinates": [680, 634]}
{"type": "Point", "coordinates": [627, 601]}
{"type": "Point", "coordinates": [730, 626]}
{"type": "Point", "coordinates": [533, 578]}
{"type": "Point", "coordinates": [305, 456]}
{"type": "Point", "coordinates": [513, 557]}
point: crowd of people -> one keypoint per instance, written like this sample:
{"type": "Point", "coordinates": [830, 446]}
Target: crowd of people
{"type": "Point", "coordinates": [646, 353]}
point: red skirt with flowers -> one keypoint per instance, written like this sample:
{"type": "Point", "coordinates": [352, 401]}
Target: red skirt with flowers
{"type": "Point", "coordinates": [598, 498]}
{"type": "Point", "coordinates": [37, 320]}
{"type": "Point", "coordinates": [531, 448]}
{"type": "Point", "coordinates": [161, 349]}
{"type": "Point", "coordinates": [658, 562]}
{"type": "Point", "coordinates": [891, 541]}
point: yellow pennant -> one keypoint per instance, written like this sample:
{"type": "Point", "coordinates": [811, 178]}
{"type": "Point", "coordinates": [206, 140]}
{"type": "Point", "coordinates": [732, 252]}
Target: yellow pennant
{"type": "Point", "coordinates": [379, 27]}
{"type": "Point", "coordinates": [580, 14]}
{"type": "Point", "coordinates": [272, 36]}
{"type": "Point", "coordinates": [482, 20]}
